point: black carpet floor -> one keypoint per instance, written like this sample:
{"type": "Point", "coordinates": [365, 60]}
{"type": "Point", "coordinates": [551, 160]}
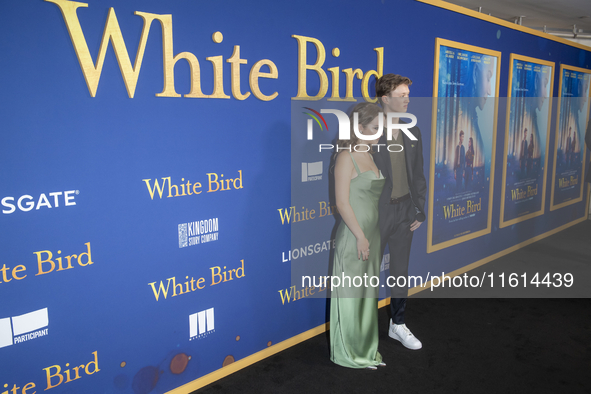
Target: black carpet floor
{"type": "Point", "coordinates": [470, 345]}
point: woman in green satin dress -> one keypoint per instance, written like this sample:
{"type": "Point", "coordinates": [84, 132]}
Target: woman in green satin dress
{"type": "Point", "coordinates": [354, 307]}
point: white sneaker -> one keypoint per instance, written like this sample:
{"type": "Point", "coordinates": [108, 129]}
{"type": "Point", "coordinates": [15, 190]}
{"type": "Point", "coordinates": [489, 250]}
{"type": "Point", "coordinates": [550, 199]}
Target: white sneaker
{"type": "Point", "coordinates": [401, 333]}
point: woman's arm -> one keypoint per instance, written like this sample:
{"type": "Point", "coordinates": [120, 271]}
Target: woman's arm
{"type": "Point", "coordinates": [344, 169]}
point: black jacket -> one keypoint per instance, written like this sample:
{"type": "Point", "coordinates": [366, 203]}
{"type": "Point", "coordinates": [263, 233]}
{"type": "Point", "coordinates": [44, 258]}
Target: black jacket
{"type": "Point", "coordinates": [417, 184]}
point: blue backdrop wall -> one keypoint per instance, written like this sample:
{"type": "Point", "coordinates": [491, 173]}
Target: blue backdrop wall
{"type": "Point", "coordinates": [143, 245]}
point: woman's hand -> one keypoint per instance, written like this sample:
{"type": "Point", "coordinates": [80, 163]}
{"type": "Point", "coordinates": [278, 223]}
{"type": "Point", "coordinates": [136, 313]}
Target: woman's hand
{"type": "Point", "coordinates": [362, 248]}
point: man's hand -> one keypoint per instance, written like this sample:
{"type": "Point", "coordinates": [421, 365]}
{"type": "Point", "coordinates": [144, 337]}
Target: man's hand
{"type": "Point", "coordinates": [414, 225]}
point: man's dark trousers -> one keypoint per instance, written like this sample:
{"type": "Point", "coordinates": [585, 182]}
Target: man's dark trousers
{"type": "Point", "coordinates": [397, 219]}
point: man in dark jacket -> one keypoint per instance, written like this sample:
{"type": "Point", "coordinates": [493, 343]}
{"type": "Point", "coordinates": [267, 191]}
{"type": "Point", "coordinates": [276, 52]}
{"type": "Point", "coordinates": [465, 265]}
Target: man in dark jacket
{"type": "Point", "coordinates": [401, 205]}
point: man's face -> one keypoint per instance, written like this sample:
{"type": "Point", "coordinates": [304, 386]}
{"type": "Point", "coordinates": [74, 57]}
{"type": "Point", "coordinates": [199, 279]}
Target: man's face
{"type": "Point", "coordinates": [397, 100]}
{"type": "Point", "coordinates": [461, 139]}
{"type": "Point", "coordinates": [483, 74]}
{"type": "Point", "coordinates": [541, 87]}
{"type": "Point", "coordinates": [584, 89]}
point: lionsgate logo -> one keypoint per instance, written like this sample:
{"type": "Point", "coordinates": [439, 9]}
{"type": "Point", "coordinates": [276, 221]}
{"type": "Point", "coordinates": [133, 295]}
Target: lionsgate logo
{"type": "Point", "coordinates": [198, 232]}
{"type": "Point", "coordinates": [308, 250]}
{"type": "Point", "coordinates": [345, 129]}
{"type": "Point", "coordinates": [201, 324]}
{"type": "Point", "coordinates": [18, 329]}
{"type": "Point", "coordinates": [27, 202]}
{"type": "Point", "coordinates": [312, 171]}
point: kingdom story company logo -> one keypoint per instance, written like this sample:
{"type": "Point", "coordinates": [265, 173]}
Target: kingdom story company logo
{"type": "Point", "coordinates": [198, 232]}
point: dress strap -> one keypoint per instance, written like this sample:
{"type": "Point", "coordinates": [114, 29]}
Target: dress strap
{"type": "Point", "coordinates": [355, 164]}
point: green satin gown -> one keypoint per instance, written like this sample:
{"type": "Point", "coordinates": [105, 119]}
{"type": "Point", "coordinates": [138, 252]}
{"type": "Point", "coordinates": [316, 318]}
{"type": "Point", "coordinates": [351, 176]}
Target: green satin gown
{"type": "Point", "coordinates": [354, 310]}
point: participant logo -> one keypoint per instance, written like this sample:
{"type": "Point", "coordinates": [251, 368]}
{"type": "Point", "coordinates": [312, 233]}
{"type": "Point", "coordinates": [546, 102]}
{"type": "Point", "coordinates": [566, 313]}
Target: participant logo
{"type": "Point", "coordinates": [18, 329]}
{"type": "Point", "coordinates": [312, 171]}
{"type": "Point", "coordinates": [27, 203]}
{"type": "Point", "coordinates": [201, 324]}
{"type": "Point", "coordinates": [198, 232]}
